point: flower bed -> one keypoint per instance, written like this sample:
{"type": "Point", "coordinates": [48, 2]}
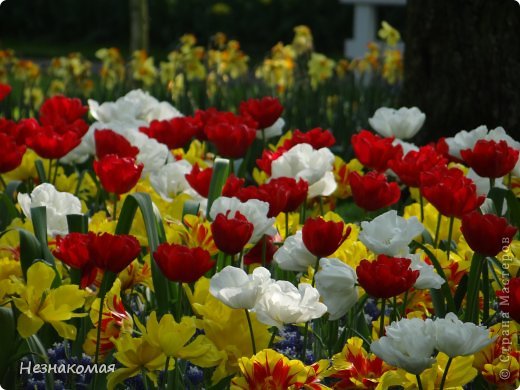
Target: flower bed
{"type": "Point", "coordinates": [215, 250]}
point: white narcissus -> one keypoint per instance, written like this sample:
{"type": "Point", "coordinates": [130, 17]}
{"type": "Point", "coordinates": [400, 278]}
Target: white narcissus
{"type": "Point", "coordinates": [390, 234]}
{"type": "Point", "coordinates": [254, 210]}
{"type": "Point", "coordinates": [293, 255]}
{"type": "Point", "coordinates": [408, 344]}
{"type": "Point", "coordinates": [235, 288]}
{"type": "Point", "coordinates": [336, 283]}
{"type": "Point", "coordinates": [428, 278]}
{"type": "Point", "coordinates": [302, 161]}
{"type": "Point", "coordinates": [457, 338]}
{"type": "Point", "coordinates": [403, 123]}
{"type": "Point", "coordinates": [283, 303]}
{"type": "Point", "coordinates": [58, 204]}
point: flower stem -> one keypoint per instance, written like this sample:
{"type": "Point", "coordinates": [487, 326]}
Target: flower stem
{"type": "Point", "coordinates": [445, 374]}
{"type": "Point", "coordinates": [450, 233]}
{"type": "Point", "coordinates": [114, 211]}
{"type": "Point", "coordinates": [2, 181]}
{"type": "Point", "coordinates": [273, 335]}
{"type": "Point", "coordinates": [145, 381]}
{"type": "Point", "coordinates": [382, 318]}
{"type": "Point", "coordinates": [437, 231]}
{"type": "Point", "coordinates": [165, 378]}
{"type": "Point", "coordinates": [491, 183]}
{"type": "Point", "coordinates": [286, 225]}
{"type": "Point", "coordinates": [419, 383]}
{"type": "Point", "coordinates": [421, 202]}
{"type": "Point", "coordinates": [264, 251]}
{"type": "Point", "coordinates": [251, 331]}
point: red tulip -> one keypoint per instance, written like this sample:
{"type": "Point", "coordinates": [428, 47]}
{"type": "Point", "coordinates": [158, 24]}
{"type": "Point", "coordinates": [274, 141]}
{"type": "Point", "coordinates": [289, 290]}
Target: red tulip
{"type": "Point", "coordinates": [109, 142]}
{"type": "Point", "coordinates": [509, 299]}
{"type": "Point", "coordinates": [487, 234]}
{"type": "Point", "coordinates": [52, 145]}
{"type": "Point", "coordinates": [25, 129]}
{"type": "Point", "coordinates": [232, 186]}
{"type": "Point", "coordinates": [200, 179]}
{"type": "Point", "coordinates": [5, 90]}
{"type": "Point", "coordinates": [491, 159]}
{"type": "Point", "coordinates": [372, 191]}
{"type": "Point", "coordinates": [231, 140]}
{"type": "Point", "coordinates": [322, 238]}
{"type": "Point", "coordinates": [452, 194]}
{"type": "Point", "coordinates": [64, 114]}
{"type": "Point", "coordinates": [174, 133]}
{"type": "Point", "coordinates": [118, 175]}
{"type": "Point", "coordinates": [264, 111]}
{"type": "Point", "coordinates": [386, 276]}
{"type": "Point", "coordinates": [267, 158]}
{"type": "Point", "coordinates": [409, 167]}
{"type": "Point", "coordinates": [254, 256]}
{"type": "Point", "coordinates": [296, 191]}
{"type": "Point", "coordinates": [375, 152]}
{"type": "Point", "coordinates": [12, 154]}
{"type": "Point", "coordinates": [317, 138]}
{"type": "Point", "coordinates": [113, 252]}
{"type": "Point", "coordinates": [231, 234]}
{"type": "Point", "coordinates": [276, 199]}
{"type": "Point", "coordinates": [74, 250]}
{"type": "Point", "coordinates": [182, 264]}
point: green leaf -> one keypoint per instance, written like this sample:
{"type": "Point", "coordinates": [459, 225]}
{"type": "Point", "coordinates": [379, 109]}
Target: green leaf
{"type": "Point", "coordinates": [218, 179]}
{"type": "Point", "coordinates": [12, 188]}
{"type": "Point", "coordinates": [8, 211]}
{"type": "Point", "coordinates": [156, 235]}
{"type": "Point", "coordinates": [40, 356]}
{"type": "Point", "coordinates": [190, 208]}
{"type": "Point", "coordinates": [445, 289]}
{"type": "Point", "coordinates": [40, 170]}
{"type": "Point", "coordinates": [30, 250]}
{"type": "Point", "coordinates": [77, 223]}
{"type": "Point", "coordinates": [39, 221]}
{"type": "Point", "coordinates": [10, 338]}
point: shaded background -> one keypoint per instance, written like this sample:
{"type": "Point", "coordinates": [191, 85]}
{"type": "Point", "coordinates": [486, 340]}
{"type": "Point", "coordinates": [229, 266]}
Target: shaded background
{"type": "Point", "coordinates": [56, 27]}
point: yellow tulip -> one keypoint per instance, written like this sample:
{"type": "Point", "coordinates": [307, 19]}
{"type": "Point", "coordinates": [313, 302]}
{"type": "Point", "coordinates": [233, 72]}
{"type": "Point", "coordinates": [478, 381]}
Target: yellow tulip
{"type": "Point", "coordinates": [38, 303]}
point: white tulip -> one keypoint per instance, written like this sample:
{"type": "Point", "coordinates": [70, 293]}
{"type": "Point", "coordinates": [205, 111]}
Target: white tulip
{"type": "Point", "coordinates": [283, 303]}
{"type": "Point", "coordinates": [403, 123]}
{"type": "Point", "coordinates": [390, 234]}
{"type": "Point", "coordinates": [274, 130]}
{"type": "Point", "coordinates": [254, 210]}
{"type": "Point", "coordinates": [468, 139]}
{"type": "Point", "coordinates": [336, 283]}
{"type": "Point", "coordinates": [58, 204]}
{"type": "Point", "coordinates": [408, 344]}
{"type": "Point", "coordinates": [302, 161]}
{"type": "Point", "coordinates": [457, 338]}
{"type": "Point", "coordinates": [170, 180]}
{"type": "Point", "coordinates": [293, 255]}
{"type": "Point", "coordinates": [482, 183]}
{"type": "Point", "coordinates": [235, 288]}
{"type": "Point", "coordinates": [428, 278]}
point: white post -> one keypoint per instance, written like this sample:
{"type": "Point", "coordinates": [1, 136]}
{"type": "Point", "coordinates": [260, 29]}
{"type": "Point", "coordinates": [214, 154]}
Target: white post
{"type": "Point", "coordinates": [364, 29]}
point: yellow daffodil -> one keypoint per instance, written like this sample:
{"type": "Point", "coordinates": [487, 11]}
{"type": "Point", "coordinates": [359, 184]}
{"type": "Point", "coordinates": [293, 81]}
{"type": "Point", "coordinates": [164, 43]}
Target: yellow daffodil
{"type": "Point", "coordinates": [39, 303]}
{"type": "Point", "coordinates": [136, 355]}
{"type": "Point", "coordinates": [174, 340]}
{"type": "Point", "coordinates": [136, 273]}
{"type": "Point", "coordinates": [321, 68]}
{"type": "Point", "coordinates": [302, 41]}
{"type": "Point", "coordinates": [294, 224]}
{"type": "Point", "coordinates": [354, 367]}
{"type": "Point", "coordinates": [460, 373]}
{"type": "Point", "coordinates": [430, 221]}
{"type": "Point", "coordinates": [269, 369]}
{"type": "Point", "coordinates": [27, 169]}
{"type": "Point", "coordinates": [226, 328]}
{"type": "Point", "coordinates": [389, 34]}
{"type": "Point", "coordinates": [341, 172]}
{"type": "Point", "coordinates": [10, 279]}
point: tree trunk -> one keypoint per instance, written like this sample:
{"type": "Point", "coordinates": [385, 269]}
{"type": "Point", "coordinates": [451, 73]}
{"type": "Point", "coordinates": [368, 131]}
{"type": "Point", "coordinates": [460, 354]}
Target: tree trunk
{"type": "Point", "coordinates": [139, 25]}
{"type": "Point", "coordinates": [462, 64]}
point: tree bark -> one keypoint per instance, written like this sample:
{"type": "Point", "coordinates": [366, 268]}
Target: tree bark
{"type": "Point", "coordinates": [462, 64]}
{"type": "Point", "coordinates": [139, 25]}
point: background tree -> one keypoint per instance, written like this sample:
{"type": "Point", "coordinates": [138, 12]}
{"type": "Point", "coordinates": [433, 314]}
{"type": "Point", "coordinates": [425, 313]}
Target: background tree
{"type": "Point", "coordinates": [462, 64]}
{"type": "Point", "coordinates": [139, 25]}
